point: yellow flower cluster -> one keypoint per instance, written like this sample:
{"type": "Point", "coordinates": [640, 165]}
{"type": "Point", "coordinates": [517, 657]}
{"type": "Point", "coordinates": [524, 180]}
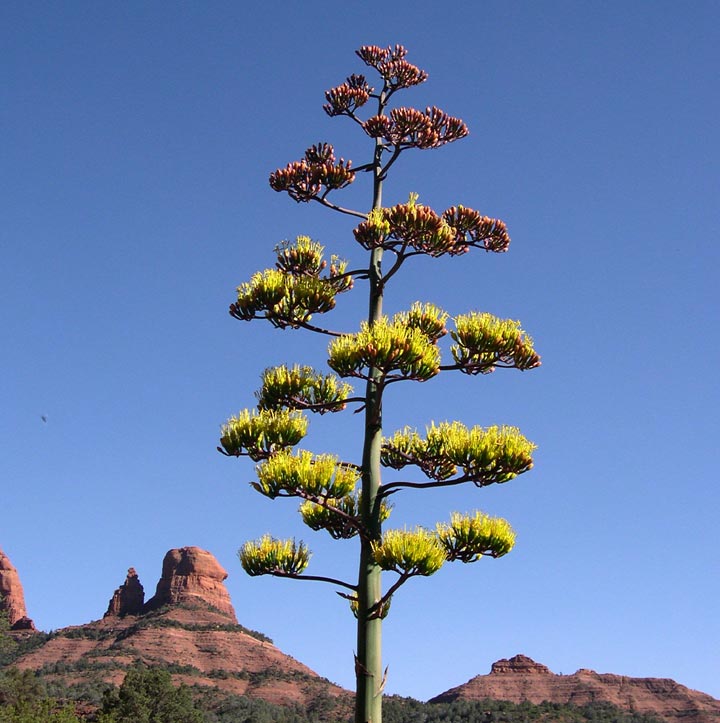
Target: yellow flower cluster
{"type": "Point", "coordinates": [287, 474]}
{"type": "Point", "coordinates": [422, 552]}
{"type": "Point", "coordinates": [283, 299]}
{"type": "Point", "coordinates": [485, 456]}
{"type": "Point", "coordinates": [291, 293]}
{"type": "Point", "coordinates": [326, 517]}
{"type": "Point", "coordinates": [258, 434]}
{"type": "Point", "coordinates": [264, 290]}
{"type": "Point", "coordinates": [485, 342]}
{"type": "Point", "coordinates": [304, 257]}
{"type": "Point", "coordinates": [300, 387]}
{"type": "Point", "coordinates": [409, 552]}
{"type": "Point", "coordinates": [468, 537]}
{"type": "Point", "coordinates": [268, 556]}
{"type": "Point", "coordinates": [390, 346]}
{"type": "Point", "coordinates": [428, 318]}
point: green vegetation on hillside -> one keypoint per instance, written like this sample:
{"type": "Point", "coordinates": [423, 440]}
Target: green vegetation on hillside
{"type": "Point", "coordinates": [25, 699]}
{"type": "Point", "coordinates": [407, 710]}
{"type": "Point", "coordinates": [148, 696]}
{"type": "Point", "coordinates": [13, 645]}
{"type": "Point", "coordinates": [7, 644]}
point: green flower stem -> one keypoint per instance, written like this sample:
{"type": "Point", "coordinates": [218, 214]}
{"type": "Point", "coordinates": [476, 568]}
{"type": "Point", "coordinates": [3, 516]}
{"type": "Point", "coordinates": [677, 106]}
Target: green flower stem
{"type": "Point", "coordinates": [404, 577]}
{"type": "Point", "coordinates": [368, 662]}
{"type": "Point", "coordinates": [315, 578]}
{"type": "Point", "coordinates": [396, 153]}
{"type": "Point", "coordinates": [395, 486]}
{"type": "Point", "coordinates": [384, 351]}
{"type": "Point", "coordinates": [312, 327]}
{"type": "Point", "coordinates": [329, 204]}
{"type": "Point", "coordinates": [400, 256]}
{"type": "Point", "coordinates": [327, 407]}
{"type": "Point", "coordinates": [494, 363]}
{"type": "Point", "coordinates": [355, 273]}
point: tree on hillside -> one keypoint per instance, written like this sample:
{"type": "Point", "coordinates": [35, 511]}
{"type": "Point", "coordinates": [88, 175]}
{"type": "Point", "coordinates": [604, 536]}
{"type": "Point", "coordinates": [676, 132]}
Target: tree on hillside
{"type": "Point", "coordinates": [8, 645]}
{"type": "Point", "coordinates": [24, 699]}
{"type": "Point", "coordinates": [44, 711]}
{"type": "Point", "coordinates": [148, 695]}
{"type": "Point", "coordinates": [383, 351]}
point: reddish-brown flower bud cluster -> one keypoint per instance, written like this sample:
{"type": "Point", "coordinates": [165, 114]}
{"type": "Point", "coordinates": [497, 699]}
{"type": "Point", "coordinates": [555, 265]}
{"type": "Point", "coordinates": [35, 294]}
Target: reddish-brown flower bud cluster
{"type": "Point", "coordinates": [407, 225]}
{"type": "Point", "coordinates": [421, 229]}
{"type": "Point", "coordinates": [448, 128]}
{"type": "Point", "coordinates": [379, 126]}
{"type": "Point", "coordinates": [320, 153]}
{"type": "Point", "coordinates": [401, 74]}
{"type": "Point", "coordinates": [345, 99]}
{"type": "Point", "coordinates": [411, 128]}
{"type": "Point", "coordinates": [391, 64]}
{"type": "Point", "coordinates": [373, 55]}
{"type": "Point", "coordinates": [305, 179]}
{"type": "Point", "coordinates": [488, 233]}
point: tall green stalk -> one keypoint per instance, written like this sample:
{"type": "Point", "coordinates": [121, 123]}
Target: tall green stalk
{"type": "Point", "coordinates": [368, 663]}
{"type": "Point", "coordinates": [384, 351]}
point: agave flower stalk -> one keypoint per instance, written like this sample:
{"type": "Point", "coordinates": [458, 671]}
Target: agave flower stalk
{"type": "Point", "coordinates": [347, 499]}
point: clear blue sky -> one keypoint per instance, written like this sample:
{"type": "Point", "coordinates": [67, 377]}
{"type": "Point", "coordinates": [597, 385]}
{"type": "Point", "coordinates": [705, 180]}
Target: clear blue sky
{"type": "Point", "coordinates": [136, 141]}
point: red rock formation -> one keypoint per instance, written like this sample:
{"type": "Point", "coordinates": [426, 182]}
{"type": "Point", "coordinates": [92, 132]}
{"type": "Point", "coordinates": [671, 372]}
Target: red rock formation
{"type": "Point", "coordinates": [23, 623]}
{"type": "Point", "coordinates": [522, 679]}
{"type": "Point", "coordinates": [519, 664]}
{"type": "Point", "coordinates": [213, 652]}
{"type": "Point", "coordinates": [201, 641]}
{"type": "Point", "coordinates": [129, 598]}
{"type": "Point", "coordinates": [192, 575]}
{"type": "Point", "coordinates": [13, 598]}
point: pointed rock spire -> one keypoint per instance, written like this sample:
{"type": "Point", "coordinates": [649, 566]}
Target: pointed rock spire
{"type": "Point", "coordinates": [129, 598]}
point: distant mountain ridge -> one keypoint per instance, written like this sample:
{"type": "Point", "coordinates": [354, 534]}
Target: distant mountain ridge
{"type": "Point", "coordinates": [521, 679]}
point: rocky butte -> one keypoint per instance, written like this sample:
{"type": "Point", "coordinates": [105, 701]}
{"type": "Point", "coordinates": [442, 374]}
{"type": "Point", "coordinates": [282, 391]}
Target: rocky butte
{"type": "Point", "coordinates": [190, 575]}
{"type": "Point", "coordinates": [12, 598]}
{"type": "Point", "coordinates": [522, 679]}
{"type": "Point", "coordinates": [189, 625]}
